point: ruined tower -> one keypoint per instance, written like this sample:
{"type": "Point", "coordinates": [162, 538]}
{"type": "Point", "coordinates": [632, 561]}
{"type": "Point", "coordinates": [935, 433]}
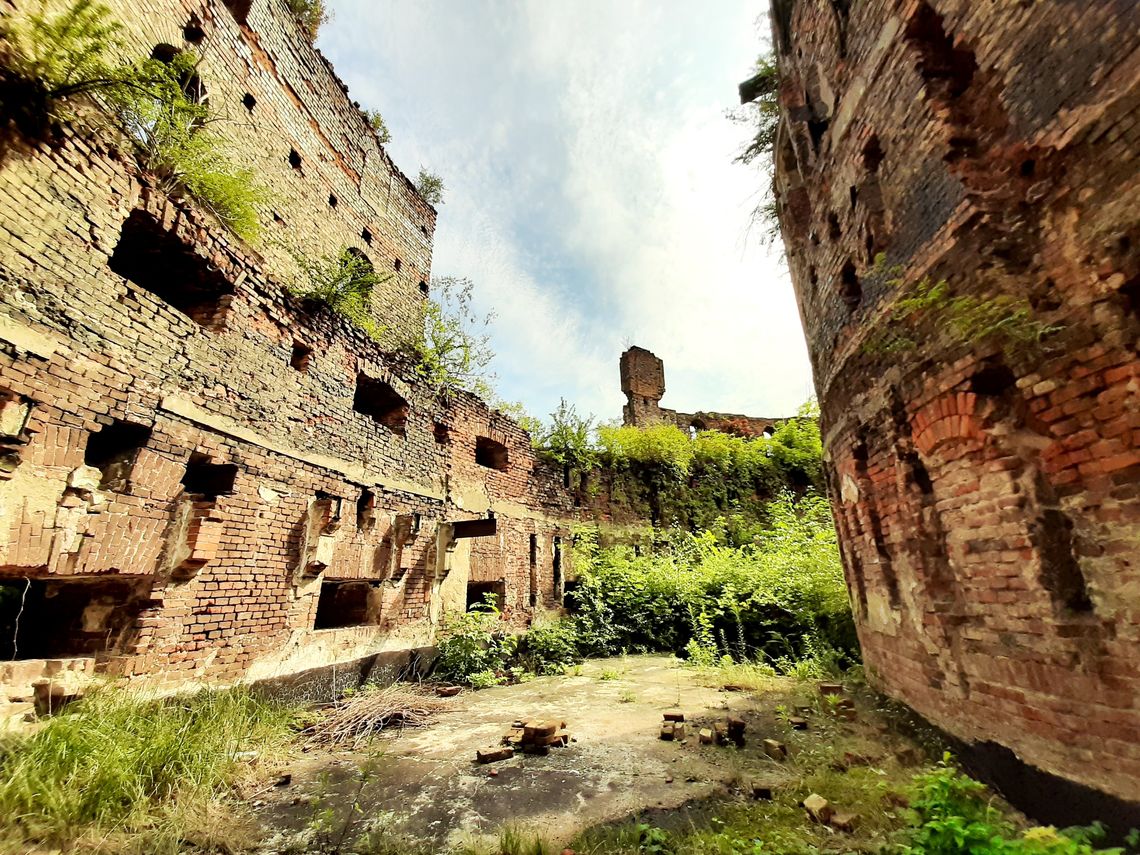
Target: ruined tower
{"type": "Point", "coordinates": [643, 382]}
{"type": "Point", "coordinates": [958, 188]}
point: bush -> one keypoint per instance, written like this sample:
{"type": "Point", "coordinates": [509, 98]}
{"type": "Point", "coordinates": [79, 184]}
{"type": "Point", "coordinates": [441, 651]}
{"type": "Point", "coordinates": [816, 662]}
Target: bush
{"type": "Point", "coordinates": [475, 648]}
{"type": "Point", "coordinates": [568, 440]}
{"type": "Point", "coordinates": [430, 186]}
{"type": "Point", "coordinates": [550, 648]}
{"type": "Point", "coordinates": [176, 144]}
{"type": "Point", "coordinates": [343, 281]}
{"type": "Point", "coordinates": [377, 123]}
{"type": "Point", "coordinates": [311, 15]}
{"type": "Point", "coordinates": [779, 599]}
{"type": "Point", "coordinates": [115, 762]}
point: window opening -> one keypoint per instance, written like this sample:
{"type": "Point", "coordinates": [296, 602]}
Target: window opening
{"type": "Point", "coordinates": [209, 480]}
{"type": "Point", "coordinates": [382, 403]}
{"type": "Point", "coordinates": [493, 455]}
{"type": "Point", "coordinates": [113, 451]}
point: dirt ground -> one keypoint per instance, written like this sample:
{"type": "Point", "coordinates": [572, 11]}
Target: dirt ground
{"type": "Point", "coordinates": [426, 784]}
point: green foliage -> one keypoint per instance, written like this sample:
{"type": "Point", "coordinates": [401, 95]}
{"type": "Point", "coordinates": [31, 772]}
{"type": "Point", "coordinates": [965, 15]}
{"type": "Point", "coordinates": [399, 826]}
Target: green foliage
{"type": "Point", "coordinates": [764, 110]}
{"type": "Point", "coordinates": [964, 318]}
{"type": "Point", "coordinates": [343, 281]}
{"type": "Point", "coordinates": [550, 648]}
{"type": "Point", "coordinates": [454, 350]}
{"type": "Point", "coordinates": [778, 599]}
{"type": "Point", "coordinates": [49, 60]}
{"type": "Point", "coordinates": [953, 817]}
{"type": "Point", "coordinates": [116, 762]}
{"type": "Point", "coordinates": [176, 144]}
{"type": "Point", "coordinates": [377, 123]}
{"type": "Point", "coordinates": [430, 186]}
{"type": "Point", "coordinates": [568, 441]}
{"type": "Point", "coordinates": [311, 15]}
{"type": "Point", "coordinates": [661, 445]}
{"type": "Point", "coordinates": [475, 648]}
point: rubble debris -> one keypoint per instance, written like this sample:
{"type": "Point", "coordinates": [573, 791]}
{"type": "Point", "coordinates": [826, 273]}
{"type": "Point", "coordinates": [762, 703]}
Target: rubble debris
{"type": "Point", "coordinates": [448, 691]}
{"type": "Point", "coordinates": [844, 821]}
{"type": "Point", "coordinates": [736, 731]}
{"type": "Point", "coordinates": [798, 723]}
{"type": "Point", "coordinates": [674, 715]}
{"type": "Point", "coordinates": [818, 808]}
{"type": "Point", "coordinates": [667, 731]}
{"type": "Point", "coordinates": [826, 689]}
{"type": "Point", "coordinates": [705, 735]}
{"type": "Point", "coordinates": [775, 749]}
{"type": "Point", "coordinates": [494, 755]}
{"type": "Point", "coordinates": [761, 792]}
{"type": "Point", "coordinates": [720, 728]}
{"type": "Point", "coordinates": [537, 736]}
{"type": "Point", "coordinates": [356, 718]}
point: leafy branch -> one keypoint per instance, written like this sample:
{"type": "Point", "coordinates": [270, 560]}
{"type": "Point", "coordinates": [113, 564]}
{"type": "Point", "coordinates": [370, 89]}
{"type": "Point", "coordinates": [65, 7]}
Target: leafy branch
{"type": "Point", "coordinates": [453, 350]}
{"type": "Point", "coordinates": [343, 281]}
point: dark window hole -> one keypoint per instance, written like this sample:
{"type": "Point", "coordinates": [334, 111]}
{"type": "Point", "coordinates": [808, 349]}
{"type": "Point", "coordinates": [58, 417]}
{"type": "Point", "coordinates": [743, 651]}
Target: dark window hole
{"type": "Point", "coordinates": [423, 287]}
{"type": "Point", "coordinates": [873, 154]}
{"type": "Point", "coordinates": [378, 400]}
{"type": "Point", "coordinates": [113, 451]}
{"type": "Point", "coordinates": [207, 479]}
{"type": "Point", "coordinates": [249, 102]}
{"type": "Point", "coordinates": [333, 201]}
{"type": "Point", "coordinates": [193, 31]}
{"type": "Point", "coordinates": [492, 454]}
{"type": "Point", "coordinates": [365, 510]}
{"type": "Point", "coordinates": [851, 289]}
{"type": "Point", "coordinates": [301, 356]}
{"type": "Point", "coordinates": [441, 433]}
{"type": "Point", "coordinates": [833, 230]}
{"type": "Point", "coordinates": [344, 604]}
{"type": "Point", "coordinates": [397, 264]}
{"type": "Point", "coordinates": [159, 262]}
{"type": "Point", "coordinates": [294, 158]}
{"type": "Point", "coordinates": [994, 380]}
{"type": "Point", "coordinates": [366, 236]}
{"type": "Point", "coordinates": [484, 593]}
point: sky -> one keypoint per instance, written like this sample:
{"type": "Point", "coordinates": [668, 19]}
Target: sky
{"type": "Point", "coordinates": [591, 193]}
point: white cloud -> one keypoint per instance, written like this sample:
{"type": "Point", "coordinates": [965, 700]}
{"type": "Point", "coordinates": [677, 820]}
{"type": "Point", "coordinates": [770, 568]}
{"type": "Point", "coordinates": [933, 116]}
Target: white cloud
{"type": "Point", "coordinates": [591, 191]}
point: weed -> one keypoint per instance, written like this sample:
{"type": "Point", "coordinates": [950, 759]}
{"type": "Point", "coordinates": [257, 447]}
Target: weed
{"type": "Point", "coordinates": [430, 186]}
{"type": "Point", "coordinates": [117, 764]}
{"type": "Point", "coordinates": [626, 696]}
{"type": "Point", "coordinates": [609, 674]}
{"type": "Point", "coordinates": [343, 281]}
{"type": "Point", "coordinates": [311, 15]}
{"type": "Point", "coordinates": [377, 123]}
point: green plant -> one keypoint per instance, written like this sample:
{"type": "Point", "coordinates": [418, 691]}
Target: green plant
{"type": "Point", "coordinates": [116, 763]}
{"type": "Point", "coordinates": [343, 281]}
{"type": "Point", "coordinates": [430, 186]}
{"type": "Point", "coordinates": [453, 351]}
{"type": "Point", "coordinates": [474, 647]}
{"type": "Point", "coordinates": [568, 440]}
{"type": "Point", "coordinates": [964, 318]}
{"type": "Point", "coordinates": [377, 123]}
{"type": "Point", "coordinates": [550, 648]}
{"type": "Point", "coordinates": [47, 60]}
{"type": "Point", "coordinates": [763, 110]}
{"type": "Point", "coordinates": [311, 15]}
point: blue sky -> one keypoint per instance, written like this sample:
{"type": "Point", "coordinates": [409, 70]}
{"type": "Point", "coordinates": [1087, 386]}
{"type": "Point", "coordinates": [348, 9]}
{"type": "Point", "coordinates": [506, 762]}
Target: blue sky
{"type": "Point", "coordinates": [591, 194]}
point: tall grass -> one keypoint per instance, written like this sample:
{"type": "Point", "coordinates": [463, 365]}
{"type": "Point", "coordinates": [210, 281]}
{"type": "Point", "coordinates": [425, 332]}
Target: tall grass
{"type": "Point", "coordinates": [117, 764]}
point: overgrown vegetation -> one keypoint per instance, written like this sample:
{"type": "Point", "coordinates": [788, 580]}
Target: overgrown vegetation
{"type": "Point", "coordinates": [430, 186]}
{"type": "Point", "coordinates": [762, 114]}
{"type": "Point", "coordinates": [454, 350]}
{"type": "Point", "coordinates": [377, 123]}
{"type": "Point", "coordinates": [311, 15]}
{"type": "Point", "coordinates": [116, 767]}
{"type": "Point", "coordinates": [931, 307]}
{"type": "Point", "coordinates": [343, 281]}
{"type": "Point", "coordinates": [53, 64]}
{"type": "Point", "coordinates": [568, 440]}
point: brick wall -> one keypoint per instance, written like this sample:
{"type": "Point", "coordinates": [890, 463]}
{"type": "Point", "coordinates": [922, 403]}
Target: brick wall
{"type": "Point", "coordinates": [986, 496]}
{"type": "Point", "coordinates": [259, 470]}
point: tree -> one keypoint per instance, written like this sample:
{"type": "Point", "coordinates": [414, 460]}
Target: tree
{"type": "Point", "coordinates": [377, 123]}
{"type": "Point", "coordinates": [569, 439]}
{"type": "Point", "coordinates": [454, 350]}
{"type": "Point", "coordinates": [430, 187]}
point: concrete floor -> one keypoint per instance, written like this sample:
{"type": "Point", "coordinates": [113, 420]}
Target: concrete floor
{"type": "Point", "coordinates": [428, 786]}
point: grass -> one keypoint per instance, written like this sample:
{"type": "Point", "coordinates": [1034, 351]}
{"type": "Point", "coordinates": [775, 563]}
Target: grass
{"type": "Point", "coordinates": [118, 772]}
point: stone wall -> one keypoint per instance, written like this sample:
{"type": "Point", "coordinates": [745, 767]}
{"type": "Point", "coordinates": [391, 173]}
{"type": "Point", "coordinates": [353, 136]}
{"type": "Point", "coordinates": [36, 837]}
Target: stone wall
{"type": "Point", "coordinates": [643, 382]}
{"type": "Point", "coordinates": [987, 494]}
{"type": "Point", "coordinates": [205, 478]}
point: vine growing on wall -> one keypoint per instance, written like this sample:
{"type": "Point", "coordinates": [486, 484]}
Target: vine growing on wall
{"type": "Point", "coordinates": [967, 319]}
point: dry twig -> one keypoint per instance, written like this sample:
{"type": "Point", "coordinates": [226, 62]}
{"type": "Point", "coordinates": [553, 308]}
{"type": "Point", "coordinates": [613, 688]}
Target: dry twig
{"type": "Point", "coordinates": [354, 719]}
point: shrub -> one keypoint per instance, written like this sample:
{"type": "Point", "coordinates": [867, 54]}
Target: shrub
{"type": "Point", "coordinates": [311, 15]}
{"type": "Point", "coordinates": [568, 440]}
{"type": "Point", "coordinates": [475, 648]}
{"type": "Point", "coordinates": [343, 281]}
{"type": "Point", "coordinates": [430, 186]}
{"type": "Point", "coordinates": [116, 762]}
{"type": "Point", "coordinates": [550, 648]}
{"type": "Point", "coordinates": [176, 144]}
{"type": "Point", "coordinates": [377, 123]}
{"type": "Point", "coordinates": [49, 60]}
{"type": "Point", "coordinates": [781, 598]}
{"type": "Point", "coordinates": [454, 349]}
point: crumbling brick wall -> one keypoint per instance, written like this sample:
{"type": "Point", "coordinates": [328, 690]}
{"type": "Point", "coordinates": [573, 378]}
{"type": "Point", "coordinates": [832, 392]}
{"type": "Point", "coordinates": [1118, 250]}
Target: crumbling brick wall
{"type": "Point", "coordinates": [643, 382]}
{"type": "Point", "coordinates": [986, 495]}
{"type": "Point", "coordinates": [276, 490]}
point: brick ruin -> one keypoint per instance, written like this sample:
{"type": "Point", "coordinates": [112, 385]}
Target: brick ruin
{"type": "Point", "coordinates": [643, 383]}
{"type": "Point", "coordinates": [987, 496]}
{"type": "Point", "coordinates": [204, 477]}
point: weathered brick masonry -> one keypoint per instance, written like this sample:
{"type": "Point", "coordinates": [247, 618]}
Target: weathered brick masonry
{"type": "Point", "coordinates": [204, 477]}
{"type": "Point", "coordinates": [988, 502]}
{"type": "Point", "coordinates": [643, 382]}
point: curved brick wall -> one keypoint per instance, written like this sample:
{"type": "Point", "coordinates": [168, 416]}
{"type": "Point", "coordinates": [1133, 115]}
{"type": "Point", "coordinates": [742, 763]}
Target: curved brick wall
{"type": "Point", "coordinates": [988, 500]}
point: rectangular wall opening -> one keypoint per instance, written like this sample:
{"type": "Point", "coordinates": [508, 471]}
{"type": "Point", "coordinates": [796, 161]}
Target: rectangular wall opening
{"type": "Point", "coordinates": [161, 263]}
{"type": "Point", "coordinates": [51, 619]}
{"type": "Point", "coordinates": [343, 604]}
{"type": "Point", "coordinates": [378, 400]}
{"type": "Point", "coordinates": [301, 356]}
{"type": "Point", "coordinates": [557, 566]}
{"type": "Point", "coordinates": [492, 454]}
{"type": "Point", "coordinates": [533, 570]}
{"type": "Point", "coordinates": [207, 479]}
{"type": "Point", "coordinates": [478, 593]}
{"type": "Point", "coordinates": [113, 451]}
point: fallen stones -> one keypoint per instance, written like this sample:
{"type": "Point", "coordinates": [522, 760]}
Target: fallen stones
{"type": "Point", "coordinates": [667, 731]}
{"type": "Point", "coordinates": [818, 808]}
{"type": "Point", "coordinates": [705, 735]}
{"type": "Point", "coordinates": [826, 689]}
{"type": "Point", "coordinates": [798, 723]}
{"type": "Point", "coordinates": [844, 821]}
{"type": "Point", "coordinates": [761, 792]}
{"type": "Point", "coordinates": [776, 750]}
{"type": "Point", "coordinates": [736, 731]}
{"type": "Point", "coordinates": [448, 691]}
{"type": "Point", "coordinates": [493, 755]}
{"type": "Point", "coordinates": [674, 715]}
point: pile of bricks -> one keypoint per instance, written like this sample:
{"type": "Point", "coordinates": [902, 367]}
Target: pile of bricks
{"type": "Point", "coordinates": [722, 732]}
{"type": "Point", "coordinates": [530, 737]}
